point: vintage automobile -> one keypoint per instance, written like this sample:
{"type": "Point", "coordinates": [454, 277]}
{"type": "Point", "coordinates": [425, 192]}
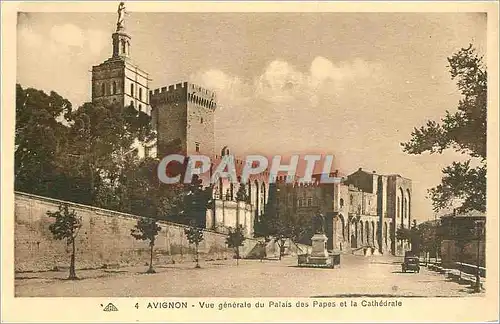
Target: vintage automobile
{"type": "Point", "coordinates": [410, 263]}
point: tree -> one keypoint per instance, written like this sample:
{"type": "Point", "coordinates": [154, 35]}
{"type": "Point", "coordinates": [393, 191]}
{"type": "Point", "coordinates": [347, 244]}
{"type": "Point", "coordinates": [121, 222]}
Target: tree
{"type": "Point", "coordinates": [235, 239]}
{"type": "Point", "coordinates": [463, 235]}
{"type": "Point", "coordinates": [242, 194]}
{"type": "Point", "coordinates": [463, 131]}
{"type": "Point", "coordinates": [66, 227]}
{"type": "Point", "coordinates": [196, 200]}
{"type": "Point", "coordinates": [40, 135]}
{"type": "Point", "coordinates": [430, 240]}
{"type": "Point", "coordinates": [415, 238]}
{"type": "Point", "coordinates": [147, 229]}
{"type": "Point", "coordinates": [147, 196]}
{"type": "Point", "coordinates": [403, 234]}
{"type": "Point", "coordinates": [100, 147]}
{"type": "Point", "coordinates": [194, 236]}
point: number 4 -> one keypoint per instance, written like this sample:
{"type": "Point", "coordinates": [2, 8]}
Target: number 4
{"type": "Point", "coordinates": [137, 305]}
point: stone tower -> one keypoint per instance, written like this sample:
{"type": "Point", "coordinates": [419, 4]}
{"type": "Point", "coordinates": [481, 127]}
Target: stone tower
{"type": "Point", "coordinates": [184, 114]}
{"type": "Point", "coordinates": [118, 79]}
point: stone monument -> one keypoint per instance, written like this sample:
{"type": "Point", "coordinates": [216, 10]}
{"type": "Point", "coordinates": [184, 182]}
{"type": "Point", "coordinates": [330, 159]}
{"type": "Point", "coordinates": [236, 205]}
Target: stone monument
{"type": "Point", "coordinates": [318, 240]}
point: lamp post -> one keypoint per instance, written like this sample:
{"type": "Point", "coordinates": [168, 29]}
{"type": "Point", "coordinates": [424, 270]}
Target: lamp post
{"type": "Point", "coordinates": [479, 232]}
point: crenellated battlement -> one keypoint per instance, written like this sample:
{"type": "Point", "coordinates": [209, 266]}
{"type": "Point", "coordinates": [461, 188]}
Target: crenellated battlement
{"type": "Point", "coordinates": [184, 92]}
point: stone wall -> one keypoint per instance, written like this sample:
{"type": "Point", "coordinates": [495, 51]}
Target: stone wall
{"type": "Point", "coordinates": [104, 239]}
{"type": "Point", "coordinates": [230, 214]}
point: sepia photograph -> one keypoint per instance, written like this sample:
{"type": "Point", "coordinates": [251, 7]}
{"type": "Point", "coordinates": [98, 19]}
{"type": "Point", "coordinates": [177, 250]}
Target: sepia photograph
{"type": "Point", "coordinates": [338, 157]}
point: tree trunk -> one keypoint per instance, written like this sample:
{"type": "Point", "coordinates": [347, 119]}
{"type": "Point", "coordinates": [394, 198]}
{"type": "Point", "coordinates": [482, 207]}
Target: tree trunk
{"type": "Point", "coordinates": [197, 258]}
{"type": "Point", "coordinates": [72, 272]}
{"type": "Point", "coordinates": [151, 270]}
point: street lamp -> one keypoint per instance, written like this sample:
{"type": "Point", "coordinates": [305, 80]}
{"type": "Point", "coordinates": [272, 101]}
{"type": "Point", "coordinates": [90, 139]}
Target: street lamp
{"type": "Point", "coordinates": [479, 232]}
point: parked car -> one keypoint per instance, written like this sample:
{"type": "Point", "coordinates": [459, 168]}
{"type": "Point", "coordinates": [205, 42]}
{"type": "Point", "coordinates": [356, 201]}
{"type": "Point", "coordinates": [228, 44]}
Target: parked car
{"type": "Point", "coordinates": [411, 263]}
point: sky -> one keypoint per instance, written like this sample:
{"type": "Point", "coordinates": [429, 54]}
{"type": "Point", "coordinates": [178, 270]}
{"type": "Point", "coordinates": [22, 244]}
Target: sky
{"type": "Point", "coordinates": [349, 84]}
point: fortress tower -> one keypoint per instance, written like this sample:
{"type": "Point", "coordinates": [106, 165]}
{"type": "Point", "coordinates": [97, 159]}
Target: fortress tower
{"type": "Point", "coordinates": [118, 79]}
{"type": "Point", "coordinates": [184, 116]}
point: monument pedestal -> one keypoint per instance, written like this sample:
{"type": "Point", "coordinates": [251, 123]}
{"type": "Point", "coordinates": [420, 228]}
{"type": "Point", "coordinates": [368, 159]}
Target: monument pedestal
{"type": "Point", "coordinates": [319, 246]}
{"type": "Point", "coordinates": [319, 254]}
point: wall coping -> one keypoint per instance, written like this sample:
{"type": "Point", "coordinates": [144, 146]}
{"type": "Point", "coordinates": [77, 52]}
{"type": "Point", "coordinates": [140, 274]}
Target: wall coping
{"type": "Point", "coordinates": [104, 212]}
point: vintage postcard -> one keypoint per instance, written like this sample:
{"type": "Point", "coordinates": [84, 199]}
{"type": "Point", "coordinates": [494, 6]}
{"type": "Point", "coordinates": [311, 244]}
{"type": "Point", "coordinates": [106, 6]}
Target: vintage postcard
{"type": "Point", "coordinates": [249, 162]}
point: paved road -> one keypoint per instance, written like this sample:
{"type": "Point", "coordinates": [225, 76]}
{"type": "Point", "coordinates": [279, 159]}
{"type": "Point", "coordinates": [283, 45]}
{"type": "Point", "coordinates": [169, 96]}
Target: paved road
{"type": "Point", "coordinates": [357, 276]}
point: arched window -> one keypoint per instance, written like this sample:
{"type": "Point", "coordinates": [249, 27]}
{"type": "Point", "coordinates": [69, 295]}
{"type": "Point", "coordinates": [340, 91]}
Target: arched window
{"type": "Point", "coordinates": [367, 230]}
{"type": "Point", "coordinates": [114, 87]}
{"type": "Point", "coordinates": [132, 103]}
{"type": "Point", "coordinates": [132, 89]}
{"type": "Point", "coordinates": [341, 202]}
{"type": "Point", "coordinates": [123, 47]}
{"type": "Point", "coordinates": [140, 93]}
{"type": "Point", "coordinates": [140, 107]}
{"type": "Point", "coordinates": [103, 89]}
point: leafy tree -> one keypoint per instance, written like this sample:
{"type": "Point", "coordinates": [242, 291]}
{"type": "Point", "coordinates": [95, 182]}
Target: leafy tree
{"type": "Point", "coordinates": [40, 135]}
{"type": "Point", "coordinates": [235, 239]}
{"type": "Point", "coordinates": [196, 200]}
{"type": "Point", "coordinates": [282, 226]}
{"type": "Point", "coordinates": [403, 234]}
{"type": "Point", "coordinates": [464, 131]}
{"type": "Point", "coordinates": [194, 236]}
{"type": "Point", "coordinates": [415, 238]}
{"type": "Point", "coordinates": [146, 195]}
{"type": "Point", "coordinates": [462, 234]}
{"type": "Point", "coordinates": [66, 227]}
{"type": "Point", "coordinates": [99, 141]}
{"type": "Point", "coordinates": [242, 193]}
{"type": "Point", "coordinates": [430, 238]}
{"type": "Point", "coordinates": [147, 229]}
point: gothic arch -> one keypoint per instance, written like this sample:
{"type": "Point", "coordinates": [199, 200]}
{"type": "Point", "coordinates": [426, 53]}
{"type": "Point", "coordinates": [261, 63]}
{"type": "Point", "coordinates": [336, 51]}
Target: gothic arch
{"type": "Point", "coordinates": [385, 232]}
{"type": "Point", "coordinates": [354, 236]}
{"type": "Point", "coordinates": [221, 189]}
{"type": "Point", "coordinates": [249, 190]}
{"type": "Point", "coordinates": [367, 230]}
{"type": "Point", "coordinates": [342, 226]}
{"type": "Point", "coordinates": [401, 205]}
{"type": "Point", "coordinates": [408, 209]}
{"type": "Point", "coordinates": [373, 233]}
{"type": "Point", "coordinates": [224, 151]}
{"type": "Point", "coordinates": [361, 232]}
{"type": "Point", "coordinates": [114, 87]}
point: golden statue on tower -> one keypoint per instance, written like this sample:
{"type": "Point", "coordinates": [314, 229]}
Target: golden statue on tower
{"type": "Point", "coordinates": [121, 16]}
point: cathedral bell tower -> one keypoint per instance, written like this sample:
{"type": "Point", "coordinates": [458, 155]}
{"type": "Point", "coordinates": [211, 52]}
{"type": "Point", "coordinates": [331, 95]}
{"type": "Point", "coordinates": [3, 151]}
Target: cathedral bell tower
{"type": "Point", "coordinates": [118, 79]}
